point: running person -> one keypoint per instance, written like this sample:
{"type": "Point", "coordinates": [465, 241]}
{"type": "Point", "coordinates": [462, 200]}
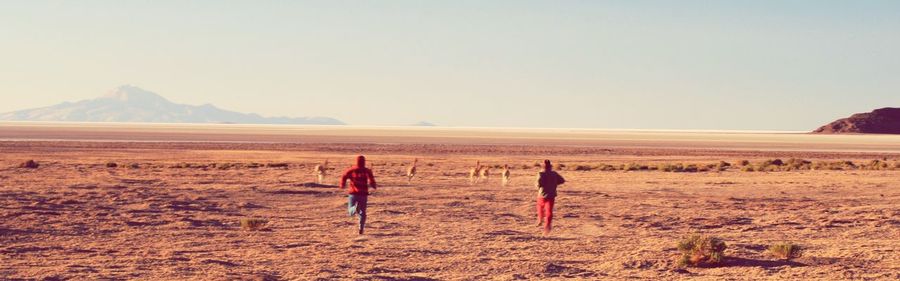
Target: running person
{"type": "Point", "coordinates": [361, 178]}
{"type": "Point", "coordinates": [547, 181]}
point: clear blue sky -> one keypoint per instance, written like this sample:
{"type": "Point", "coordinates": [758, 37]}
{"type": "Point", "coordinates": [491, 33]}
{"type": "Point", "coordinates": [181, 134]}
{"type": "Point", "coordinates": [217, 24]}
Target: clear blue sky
{"type": "Point", "coordinates": [771, 65]}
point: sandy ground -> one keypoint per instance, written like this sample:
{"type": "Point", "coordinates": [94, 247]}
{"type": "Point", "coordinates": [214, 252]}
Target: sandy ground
{"type": "Point", "coordinates": [75, 218]}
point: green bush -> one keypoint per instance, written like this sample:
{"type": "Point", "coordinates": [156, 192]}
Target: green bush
{"type": "Point", "coordinates": [701, 250]}
{"type": "Point", "coordinates": [785, 250]}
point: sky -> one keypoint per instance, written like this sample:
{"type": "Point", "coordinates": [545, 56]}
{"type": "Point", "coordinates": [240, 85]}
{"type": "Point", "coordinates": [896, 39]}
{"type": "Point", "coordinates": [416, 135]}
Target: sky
{"type": "Point", "coordinates": [634, 64]}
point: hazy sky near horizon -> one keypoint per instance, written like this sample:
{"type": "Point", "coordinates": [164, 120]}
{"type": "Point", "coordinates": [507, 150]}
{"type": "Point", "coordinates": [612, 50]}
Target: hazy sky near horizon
{"type": "Point", "coordinates": [742, 65]}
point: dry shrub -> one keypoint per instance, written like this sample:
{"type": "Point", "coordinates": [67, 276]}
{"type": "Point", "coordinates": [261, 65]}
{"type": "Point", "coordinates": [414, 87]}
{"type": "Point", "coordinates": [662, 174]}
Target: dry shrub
{"type": "Point", "coordinates": [134, 166]}
{"type": "Point", "coordinates": [253, 223]}
{"type": "Point", "coordinates": [795, 164]}
{"type": "Point", "coordinates": [112, 165]}
{"type": "Point", "coordinates": [744, 163]}
{"type": "Point", "coordinates": [748, 168]}
{"type": "Point", "coordinates": [835, 166]}
{"type": "Point", "coordinates": [701, 250]}
{"type": "Point", "coordinates": [876, 165]}
{"type": "Point", "coordinates": [667, 167]}
{"type": "Point", "coordinates": [722, 166]}
{"type": "Point", "coordinates": [607, 167]}
{"type": "Point", "coordinates": [691, 168]}
{"type": "Point", "coordinates": [583, 168]}
{"type": "Point", "coordinates": [277, 165]}
{"type": "Point", "coordinates": [636, 167]}
{"type": "Point", "coordinates": [770, 165]}
{"type": "Point", "coordinates": [785, 250]}
{"type": "Point", "coordinates": [30, 164]}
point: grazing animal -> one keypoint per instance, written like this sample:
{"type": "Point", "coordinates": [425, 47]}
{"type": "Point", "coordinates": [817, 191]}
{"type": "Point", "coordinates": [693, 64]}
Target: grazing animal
{"type": "Point", "coordinates": [485, 173]}
{"type": "Point", "coordinates": [321, 171]}
{"type": "Point", "coordinates": [411, 172]}
{"type": "Point", "coordinates": [475, 173]}
{"type": "Point", "coordinates": [505, 174]}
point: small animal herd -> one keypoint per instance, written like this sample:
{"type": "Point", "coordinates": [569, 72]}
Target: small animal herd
{"type": "Point", "coordinates": [477, 174]}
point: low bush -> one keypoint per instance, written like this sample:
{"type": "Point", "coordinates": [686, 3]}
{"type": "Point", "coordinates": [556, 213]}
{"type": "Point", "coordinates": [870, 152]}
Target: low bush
{"type": "Point", "coordinates": [795, 164]}
{"type": "Point", "coordinates": [876, 165]}
{"type": "Point", "coordinates": [691, 168]}
{"type": "Point", "coordinates": [722, 166]}
{"type": "Point", "coordinates": [785, 250]}
{"type": "Point", "coordinates": [30, 164]}
{"type": "Point", "coordinates": [607, 167]}
{"type": "Point", "coordinates": [701, 250]}
{"type": "Point", "coordinates": [112, 165]}
{"type": "Point", "coordinates": [636, 167]}
{"type": "Point", "coordinates": [583, 168]}
{"type": "Point", "coordinates": [253, 223]}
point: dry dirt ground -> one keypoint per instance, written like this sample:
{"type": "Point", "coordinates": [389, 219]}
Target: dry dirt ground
{"type": "Point", "coordinates": [174, 216]}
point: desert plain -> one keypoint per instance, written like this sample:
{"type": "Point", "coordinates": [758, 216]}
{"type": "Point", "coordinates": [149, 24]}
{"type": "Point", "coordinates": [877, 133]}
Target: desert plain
{"type": "Point", "coordinates": [170, 207]}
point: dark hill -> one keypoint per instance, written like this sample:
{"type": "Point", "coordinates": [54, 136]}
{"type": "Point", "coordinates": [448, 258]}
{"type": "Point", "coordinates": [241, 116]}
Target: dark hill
{"type": "Point", "coordinates": [880, 121]}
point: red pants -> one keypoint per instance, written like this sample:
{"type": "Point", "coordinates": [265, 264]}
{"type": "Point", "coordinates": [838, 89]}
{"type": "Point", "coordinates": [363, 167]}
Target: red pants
{"type": "Point", "coordinates": [545, 210]}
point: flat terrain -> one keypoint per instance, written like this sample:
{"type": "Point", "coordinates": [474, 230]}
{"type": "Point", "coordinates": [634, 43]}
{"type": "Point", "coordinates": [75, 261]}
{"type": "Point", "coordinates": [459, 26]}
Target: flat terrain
{"type": "Point", "coordinates": [171, 210]}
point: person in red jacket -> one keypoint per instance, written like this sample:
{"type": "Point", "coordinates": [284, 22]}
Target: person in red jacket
{"type": "Point", "coordinates": [361, 178]}
{"type": "Point", "coordinates": [547, 182]}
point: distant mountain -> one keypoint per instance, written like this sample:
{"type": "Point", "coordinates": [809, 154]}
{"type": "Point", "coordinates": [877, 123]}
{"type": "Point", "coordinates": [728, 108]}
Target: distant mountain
{"type": "Point", "coordinates": [880, 121]}
{"type": "Point", "coordinates": [424, 124]}
{"type": "Point", "coordinates": [132, 104]}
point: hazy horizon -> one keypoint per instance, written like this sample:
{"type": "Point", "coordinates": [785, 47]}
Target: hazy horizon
{"type": "Point", "coordinates": [689, 65]}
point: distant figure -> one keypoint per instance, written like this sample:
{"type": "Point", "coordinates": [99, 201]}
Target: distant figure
{"type": "Point", "coordinates": [411, 172]}
{"type": "Point", "coordinates": [321, 171]}
{"type": "Point", "coordinates": [547, 181]}
{"type": "Point", "coordinates": [475, 172]}
{"type": "Point", "coordinates": [361, 178]}
{"type": "Point", "coordinates": [505, 174]}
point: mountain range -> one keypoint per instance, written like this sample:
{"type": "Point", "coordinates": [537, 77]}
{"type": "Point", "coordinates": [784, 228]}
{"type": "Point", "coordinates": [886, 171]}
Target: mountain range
{"type": "Point", "coordinates": [132, 104]}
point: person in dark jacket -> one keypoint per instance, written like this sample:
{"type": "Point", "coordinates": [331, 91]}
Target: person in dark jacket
{"type": "Point", "coordinates": [361, 179]}
{"type": "Point", "coordinates": [547, 182]}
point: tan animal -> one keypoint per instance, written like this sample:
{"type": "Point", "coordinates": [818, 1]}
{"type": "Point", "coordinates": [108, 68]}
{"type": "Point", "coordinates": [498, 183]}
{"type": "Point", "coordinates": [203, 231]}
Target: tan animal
{"type": "Point", "coordinates": [505, 174]}
{"type": "Point", "coordinates": [475, 173]}
{"type": "Point", "coordinates": [321, 171]}
{"type": "Point", "coordinates": [485, 173]}
{"type": "Point", "coordinates": [411, 172]}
